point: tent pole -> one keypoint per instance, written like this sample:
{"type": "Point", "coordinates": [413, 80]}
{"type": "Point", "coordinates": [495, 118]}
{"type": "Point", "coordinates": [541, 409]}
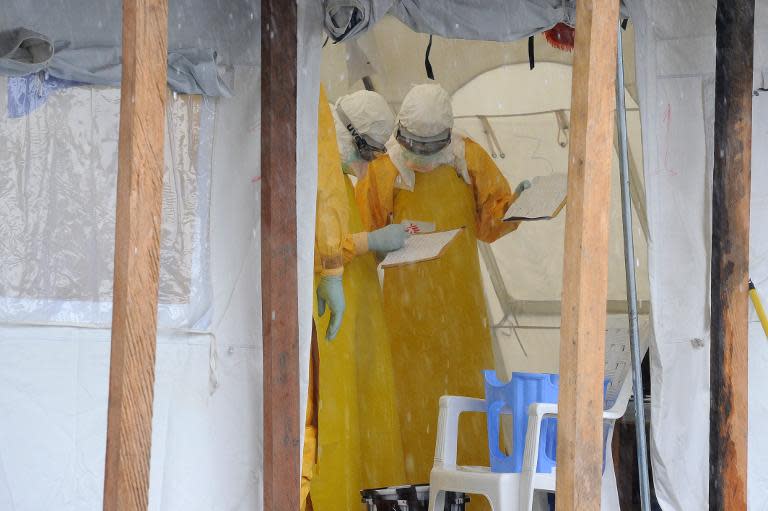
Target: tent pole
{"type": "Point", "coordinates": [137, 254]}
{"type": "Point", "coordinates": [279, 279]}
{"type": "Point", "coordinates": [730, 255]}
{"type": "Point", "coordinates": [629, 266]}
{"type": "Point", "coordinates": [585, 268]}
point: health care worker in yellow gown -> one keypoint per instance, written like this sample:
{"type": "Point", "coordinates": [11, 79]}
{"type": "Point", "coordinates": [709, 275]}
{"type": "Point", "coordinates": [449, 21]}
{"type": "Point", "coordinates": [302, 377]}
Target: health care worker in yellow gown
{"type": "Point", "coordinates": [356, 428]}
{"type": "Point", "coordinates": [436, 309]}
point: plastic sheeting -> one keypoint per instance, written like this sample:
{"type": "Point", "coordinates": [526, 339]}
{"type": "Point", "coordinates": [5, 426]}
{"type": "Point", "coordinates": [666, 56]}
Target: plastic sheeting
{"type": "Point", "coordinates": [207, 421]}
{"type": "Point", "coordinates": [675, 70]}
{"type": "Point", "coordinates": [488, 20]}
{"type": "Point", "coordinates": [30, 92]}
{"type": "Point", "coordinates": [500, 20]}
{"type": "Point", "coordinates": [758, 269]}
{"type": "Point", "coordinates": [81, 40]}
{"type": "Point", "coordinates": [22, 51]}
{"type": "Point", "coordinates": [310, 43]}
{"type": "Point", "coordinates": [58, 176]}
{"type": "Point", "coordinates": [392, 56]}
{"type": "Point", "coordinates": [207, 451]}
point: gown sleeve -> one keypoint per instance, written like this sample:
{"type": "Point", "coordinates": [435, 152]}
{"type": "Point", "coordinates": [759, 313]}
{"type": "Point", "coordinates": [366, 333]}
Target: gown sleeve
{"type": "Point", "coordinates": [493, 195]}
{"type": "Point", "coordinates": [375, 194]}
{"type": "Point", "coordinates": [332, 221]}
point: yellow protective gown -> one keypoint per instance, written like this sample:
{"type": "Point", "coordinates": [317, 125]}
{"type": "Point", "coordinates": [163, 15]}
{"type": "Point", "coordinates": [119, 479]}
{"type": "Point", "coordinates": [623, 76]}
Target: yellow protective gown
{"type": "Point", "coordinates": [360, 444]}
{"type": "Point", "coordinates": [331, 232]}
{"type": "Point", "coordinates": [309, 454]}
{"type": "Point", "coordinates": [332, 216]}
{"type": "Point", "coordinates": [357, 429]}
{"type": "Point", "coordinates": [436, 309]}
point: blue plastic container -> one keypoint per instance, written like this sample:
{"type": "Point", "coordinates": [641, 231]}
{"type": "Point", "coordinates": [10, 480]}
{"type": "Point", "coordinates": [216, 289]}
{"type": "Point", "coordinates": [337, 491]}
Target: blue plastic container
{"type": "Point", "coordinates": [514, 398]}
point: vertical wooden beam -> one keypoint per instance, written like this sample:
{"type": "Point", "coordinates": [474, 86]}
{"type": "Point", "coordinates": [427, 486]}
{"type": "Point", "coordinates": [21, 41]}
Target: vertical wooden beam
{"type": "Point", "coordinates": [585, 271]}
{"type": "Point", "coordinates": [730, 255]}
{"type": "Point", "coordinates": [137, 254]}
{"type": "Point", "coordinates": [279, 292]}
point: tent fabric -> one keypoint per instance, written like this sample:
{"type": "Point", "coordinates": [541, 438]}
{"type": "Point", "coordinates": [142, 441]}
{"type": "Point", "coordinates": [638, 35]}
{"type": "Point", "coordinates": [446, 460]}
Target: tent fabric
{"type": "Point", "coordinates": [675, 70]}
{"type": "Point", "coordinates": [531, 258]}
{"type": "Point", "coordinates": [81, 40]}
{"type": "Point", "coordinates": [207, 416]}
{"type": "Point", "coordinates": [309, 44]}
{"type": "Point", "coordinates": [345, 19]}
{"type": "Point", "coordinates": [231, 28]}
{"type": "Point", "coordinates": [392, 55]}
{"type": "Point", "coordinates": [24, 52]}
{"type": "Point", "coordinates": [487, 20]}
{"type": "Point", "coordinates": [758, 270]}
{"type": "Point", "coordinates": [207, 447]}
{"type": "Point", "coordinates": [498, 20]}
{"type": "Point", "coordinates": [58, 176]}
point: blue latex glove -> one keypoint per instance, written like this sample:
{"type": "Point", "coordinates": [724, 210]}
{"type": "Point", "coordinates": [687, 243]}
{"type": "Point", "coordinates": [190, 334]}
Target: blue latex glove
{"type": "Point", "coordinates": [387, 239]}
{"type": "Point", "coordinates": [523, 186]}
{"type": "Point", "coordinates": [331, 292]}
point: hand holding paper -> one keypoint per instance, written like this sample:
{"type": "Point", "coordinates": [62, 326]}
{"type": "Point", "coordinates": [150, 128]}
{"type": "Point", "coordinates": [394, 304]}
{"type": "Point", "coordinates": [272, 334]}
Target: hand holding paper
{"type": "Point", "coordinates": [543, 199]}
{"type": "Point", "coordinates": [420, 247]}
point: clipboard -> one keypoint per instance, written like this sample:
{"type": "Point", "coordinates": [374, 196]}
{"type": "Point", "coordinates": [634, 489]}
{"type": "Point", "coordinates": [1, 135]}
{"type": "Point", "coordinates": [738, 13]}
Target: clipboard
{"type": "Point", "coordinates": [421, 247]}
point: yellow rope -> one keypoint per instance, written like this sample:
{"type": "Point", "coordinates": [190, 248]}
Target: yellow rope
{"type": "Point", "coordinates": [758, 307]}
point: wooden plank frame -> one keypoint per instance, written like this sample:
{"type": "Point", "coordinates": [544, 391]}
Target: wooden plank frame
{"type": "Point", "coordinates": [585, 271]}
{"type": "Point", "coordinates": [137, 254]}
{"type": "Point", "coordinates": [279, 279]}
{"type": "Point", "coordinates": [731, 183]}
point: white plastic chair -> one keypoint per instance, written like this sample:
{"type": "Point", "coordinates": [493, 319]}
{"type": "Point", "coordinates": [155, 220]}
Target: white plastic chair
{"type": "Point", "coordinates": [513, 491]}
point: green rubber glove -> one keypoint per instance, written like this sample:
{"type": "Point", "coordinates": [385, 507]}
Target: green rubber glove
{"type": "Point", "coordinates": [387, 239]}
{"type": "Point", "coordinates": [330, 291]}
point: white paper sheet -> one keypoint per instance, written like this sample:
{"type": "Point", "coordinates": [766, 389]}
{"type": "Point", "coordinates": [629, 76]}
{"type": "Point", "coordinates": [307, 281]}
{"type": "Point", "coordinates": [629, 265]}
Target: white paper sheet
{"type": "Point", "coordinates": [420, 247]}
{"type": "Point", "coordinates": [542, 200]}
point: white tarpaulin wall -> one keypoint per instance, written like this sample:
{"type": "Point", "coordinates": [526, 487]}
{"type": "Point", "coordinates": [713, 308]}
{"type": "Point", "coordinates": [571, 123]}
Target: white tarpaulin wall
{"type": "Point", "coordinates": [57, 179]}
{"type": "Point", "coordinates": [54, 381]}
{"type": "Point", "coordinates": [675, 72]}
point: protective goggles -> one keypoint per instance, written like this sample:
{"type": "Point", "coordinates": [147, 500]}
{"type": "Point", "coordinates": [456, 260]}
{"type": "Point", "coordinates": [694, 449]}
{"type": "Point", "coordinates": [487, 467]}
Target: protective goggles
{"type": "Point", "coordinates": [367, 147]}
{"type": "Point", "coordinates": [424, 146]}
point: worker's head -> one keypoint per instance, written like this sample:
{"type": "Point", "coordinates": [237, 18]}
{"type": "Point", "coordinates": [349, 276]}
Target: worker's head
{"type": "Point", "coordinates": [425, 120]}
{"type": "Point", "coordinates": [364, 124]}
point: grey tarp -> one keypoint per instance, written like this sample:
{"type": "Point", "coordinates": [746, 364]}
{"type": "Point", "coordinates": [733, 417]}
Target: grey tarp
{"type": "Point", "coordinates": [494, 20]}
{"type": "Point", "coordinates": [80, 40]}
{"type": "Point", "coordinates": [491, 20]}
{"type": "Point", "coordinates": [488, 20]}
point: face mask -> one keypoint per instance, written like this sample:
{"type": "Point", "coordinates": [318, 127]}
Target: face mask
{"type": "Point", "coordinates": [356, 168]}
{"type": "Point", "coordinates": [418, 162]}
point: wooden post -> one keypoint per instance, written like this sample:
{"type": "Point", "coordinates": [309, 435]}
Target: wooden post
{"type": "Point", "coordinates": [585, 272]}
{"type": "Point", "coordinates": [730, 255]}
{"type": "Point", "coordinates": [137, 254]}
{"type": "Point", "coordinates": [279, 292]}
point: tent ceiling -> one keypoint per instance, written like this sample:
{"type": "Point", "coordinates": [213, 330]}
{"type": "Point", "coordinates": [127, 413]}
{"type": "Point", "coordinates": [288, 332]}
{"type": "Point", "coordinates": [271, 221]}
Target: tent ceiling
{"type": "Point", "coordinates": [545, 88]}
{"type": "Point", "coordinates": [393, 56]}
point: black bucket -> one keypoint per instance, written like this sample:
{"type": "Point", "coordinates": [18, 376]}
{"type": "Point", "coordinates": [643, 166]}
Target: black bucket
{"type": "Point", "coordinates": [409, 498]}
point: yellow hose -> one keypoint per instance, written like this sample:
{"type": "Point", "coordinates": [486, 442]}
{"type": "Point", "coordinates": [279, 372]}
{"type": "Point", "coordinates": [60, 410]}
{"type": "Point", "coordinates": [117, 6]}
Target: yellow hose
{"type": "Point", "coordinates": [758, 307]}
